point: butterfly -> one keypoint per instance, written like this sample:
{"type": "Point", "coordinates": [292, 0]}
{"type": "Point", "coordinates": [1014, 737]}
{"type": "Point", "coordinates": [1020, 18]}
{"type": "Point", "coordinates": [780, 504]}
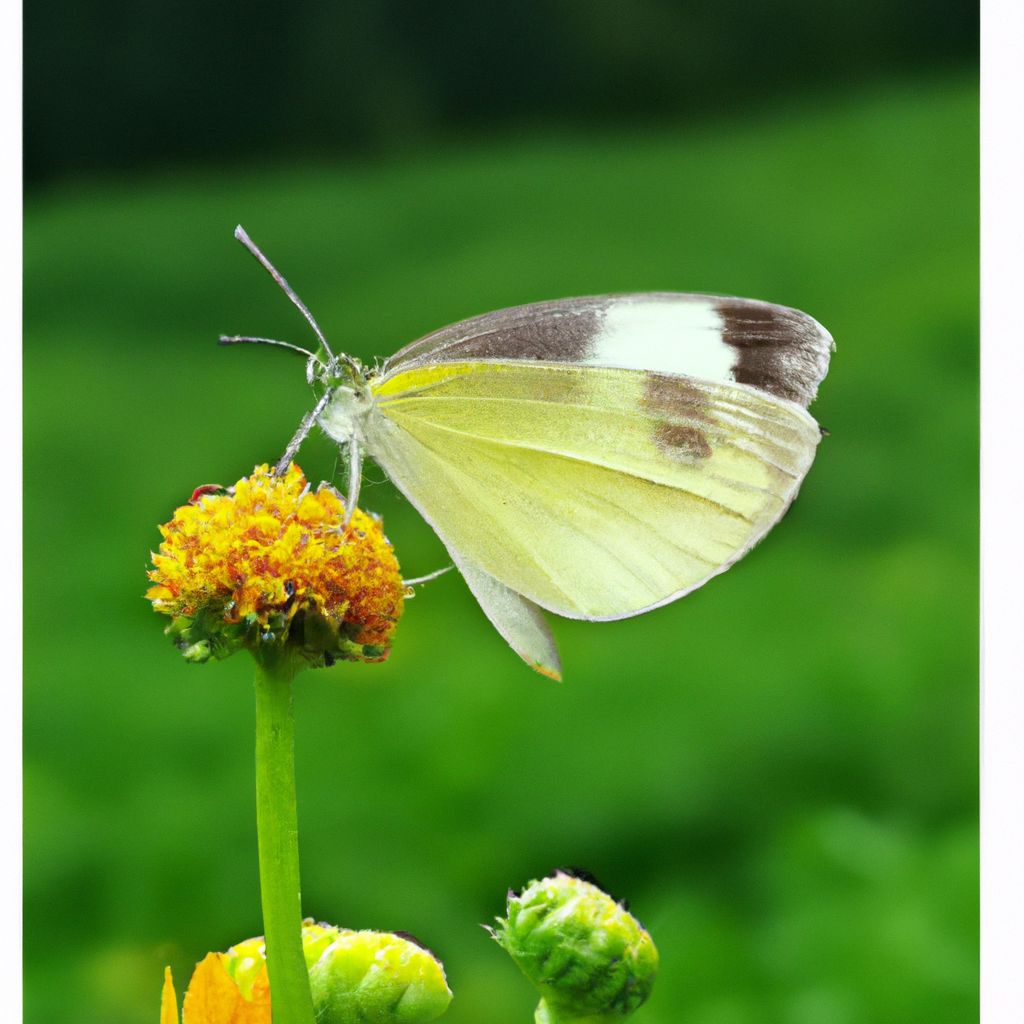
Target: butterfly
{"type": "Point", "coordinates": [592, 457]}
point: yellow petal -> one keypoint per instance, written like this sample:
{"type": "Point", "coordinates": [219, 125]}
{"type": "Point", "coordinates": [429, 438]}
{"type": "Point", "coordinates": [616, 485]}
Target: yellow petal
{"type": "Point", "coordinates": [169, 1000]}
{"type": "Point", "coordinates": [214, 998]}
{"type": "Point", "coordinates": [258, 1010]}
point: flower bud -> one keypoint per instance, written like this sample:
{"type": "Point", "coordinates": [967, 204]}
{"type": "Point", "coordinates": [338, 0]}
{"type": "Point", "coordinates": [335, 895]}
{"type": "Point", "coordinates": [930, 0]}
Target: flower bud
{"type": "Point", "coordinates": [377, 978]}
{"type": "Point", "coordinates": [272, 567]}
{"type": "Point", "coordinates": [355, 977]}
{"type": "Point", "coordinates": [591, 960]}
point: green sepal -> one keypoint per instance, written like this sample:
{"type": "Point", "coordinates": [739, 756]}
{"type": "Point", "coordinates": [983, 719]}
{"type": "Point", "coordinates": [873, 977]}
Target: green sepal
{"type": "Point", "coordinates": [206, 635]}
{"type": "Point", "coordinates": [307, 635]}
{"type": "Point", "coordinates": [323, 644]}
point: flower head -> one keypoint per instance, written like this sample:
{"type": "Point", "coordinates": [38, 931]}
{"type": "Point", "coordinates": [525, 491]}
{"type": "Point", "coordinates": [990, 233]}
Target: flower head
{"type": "Point", "coordinates": [270, 564]}
{"type": "Point", "coordinates": [356, 977]}
{"type": "Point", "coordinates": [591, 960]}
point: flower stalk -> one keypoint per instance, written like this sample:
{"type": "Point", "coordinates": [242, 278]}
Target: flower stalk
{"type": "Point", "coordinates": [278, 839]}
{"type": "Point", "coordinates": [272, 567]}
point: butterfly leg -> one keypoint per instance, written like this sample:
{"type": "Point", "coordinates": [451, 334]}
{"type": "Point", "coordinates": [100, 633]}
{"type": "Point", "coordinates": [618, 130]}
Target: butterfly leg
{"type": "Point", "coordinates": [301, 434]}
{"type": "Point", "coordinates": [355, 477]}
{"type": "Point", "coordinates": [417, 580]}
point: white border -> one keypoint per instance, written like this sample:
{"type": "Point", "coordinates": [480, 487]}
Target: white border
{"type": "Point", "coordinates": [1002, 482]}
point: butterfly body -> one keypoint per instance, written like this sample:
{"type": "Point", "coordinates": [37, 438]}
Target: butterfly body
{"type": "Point", "coordinates": [347, 411]}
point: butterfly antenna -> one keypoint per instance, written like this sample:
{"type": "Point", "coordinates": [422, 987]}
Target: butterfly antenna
{"type": "Point", "coordinates": [243, 237]}
{"type": "Point", "coordinates": [235, 339]}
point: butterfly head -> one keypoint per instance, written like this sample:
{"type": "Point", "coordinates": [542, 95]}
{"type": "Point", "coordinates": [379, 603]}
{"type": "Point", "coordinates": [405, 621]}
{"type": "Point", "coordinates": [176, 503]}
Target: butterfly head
{"type": "Point", "coordinates": [334, 371]}
{"type": "Point", "coordinates": [344, 384]}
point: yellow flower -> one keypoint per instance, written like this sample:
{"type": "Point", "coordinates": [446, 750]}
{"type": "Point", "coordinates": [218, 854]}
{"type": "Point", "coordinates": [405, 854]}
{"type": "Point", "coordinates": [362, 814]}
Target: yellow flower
{"type": "Point", "coordinates": [355, 976]}
{"type": "Point", "coordinates": [215, 997]}
{"type": "Point", "coordinates": [271, 563]}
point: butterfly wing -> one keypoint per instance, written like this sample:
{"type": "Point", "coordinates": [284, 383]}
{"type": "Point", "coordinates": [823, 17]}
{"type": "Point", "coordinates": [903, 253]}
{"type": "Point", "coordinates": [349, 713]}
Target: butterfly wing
{"type": "Point", "coordinates": [779, 350]}
{"type": "Point", "coordinates": [600, 457]}
{"type": "Point", "coordinates": [517, 619]}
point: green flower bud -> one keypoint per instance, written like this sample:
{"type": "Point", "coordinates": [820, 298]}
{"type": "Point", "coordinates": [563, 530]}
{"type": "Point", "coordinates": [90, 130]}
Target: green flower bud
{"type": "Point", "coordinates": [316, 937]}
{"type": "Point", "coordinates": [355, 977]}
{"type": "Point", "coordinates": [377, 978]}
{"type": "Point", "coordinates": [591, 960]}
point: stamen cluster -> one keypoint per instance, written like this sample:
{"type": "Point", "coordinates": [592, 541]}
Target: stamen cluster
{"type": "Point", "coordinates": [271, 563]}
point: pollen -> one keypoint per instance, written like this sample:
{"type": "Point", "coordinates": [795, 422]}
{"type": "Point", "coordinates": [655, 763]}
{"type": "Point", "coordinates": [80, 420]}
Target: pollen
{"type": "Point", "coordinates": [271, 561]}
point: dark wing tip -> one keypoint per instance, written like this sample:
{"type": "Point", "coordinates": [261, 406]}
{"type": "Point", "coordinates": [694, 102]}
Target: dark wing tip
{"type": "Point", "coordinates": [780, 350]}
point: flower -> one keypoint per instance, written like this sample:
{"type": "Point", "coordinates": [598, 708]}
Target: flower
{"type": "Point", "coordinates": [215, 997]}
{"type": "Point", "coordinates": [356, 977]}
{"type": "Point", "coordinates": [270, 564]}
{"type": "Point", "coordinates": [591, 960]}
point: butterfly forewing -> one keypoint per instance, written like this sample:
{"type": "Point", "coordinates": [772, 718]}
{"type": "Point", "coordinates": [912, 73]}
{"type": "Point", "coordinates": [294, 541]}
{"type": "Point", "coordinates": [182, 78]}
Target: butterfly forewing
{"type": "Point", "coordinates": [774, 348]}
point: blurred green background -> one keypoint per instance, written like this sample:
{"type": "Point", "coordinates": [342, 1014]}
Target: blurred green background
{"type": "Point", "coordinates": [780, 771]}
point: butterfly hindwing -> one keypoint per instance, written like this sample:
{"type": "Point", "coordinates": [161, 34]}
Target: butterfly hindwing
{"type": "Point", "coordinates": [517, 619]}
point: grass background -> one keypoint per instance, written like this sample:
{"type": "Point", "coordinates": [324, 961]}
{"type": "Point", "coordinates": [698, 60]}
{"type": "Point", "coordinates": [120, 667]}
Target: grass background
{"type": "Point", "coordinates": [779, 772]}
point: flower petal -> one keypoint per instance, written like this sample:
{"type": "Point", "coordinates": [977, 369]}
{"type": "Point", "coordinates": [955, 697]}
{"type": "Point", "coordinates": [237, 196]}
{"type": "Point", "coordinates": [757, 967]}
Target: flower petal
{"type": "Point", "coordinates": [169, 1000]}
{"type": "Point", "coordinates": [214, 998]}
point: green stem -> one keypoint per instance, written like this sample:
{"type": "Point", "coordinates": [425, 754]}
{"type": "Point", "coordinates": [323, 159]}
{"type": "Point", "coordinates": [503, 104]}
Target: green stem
{"type": "Point", "coordinates": [546, 1015]}
{"type": "Point", "coordinates": [278, 838]}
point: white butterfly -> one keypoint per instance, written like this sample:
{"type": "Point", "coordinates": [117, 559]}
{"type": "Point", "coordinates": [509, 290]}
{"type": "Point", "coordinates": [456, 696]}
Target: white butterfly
{"type": "Point", "coordinates": [594, 457]}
